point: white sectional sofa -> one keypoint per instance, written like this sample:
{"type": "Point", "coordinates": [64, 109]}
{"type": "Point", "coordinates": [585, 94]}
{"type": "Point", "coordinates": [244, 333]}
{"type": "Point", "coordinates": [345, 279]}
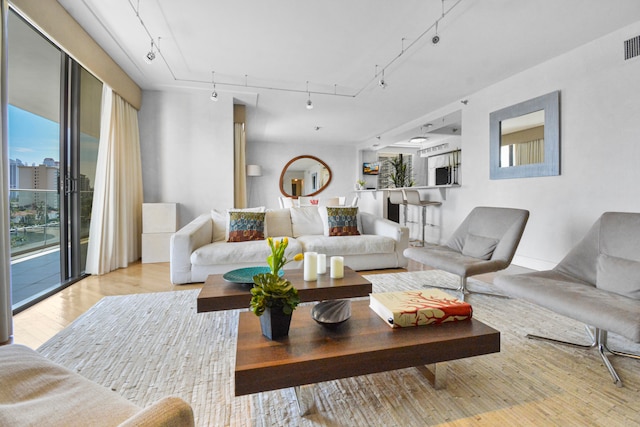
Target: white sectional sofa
{"type": "Point", "coordinates": [38, 392]}
{"type": "Point", "coordinates": [201, 248]}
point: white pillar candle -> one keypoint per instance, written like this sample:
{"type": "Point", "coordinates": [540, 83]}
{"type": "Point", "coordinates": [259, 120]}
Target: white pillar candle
{"type": "Point", "coordinates": [310, 266]}
{"type": "Point", "coordinates": [337, 267]}
{"type": "Point", "coordinates": [322, 263]}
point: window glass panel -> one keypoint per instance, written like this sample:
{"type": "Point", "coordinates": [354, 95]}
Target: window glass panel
{"type": "Point", "coordinates": [34, 152]}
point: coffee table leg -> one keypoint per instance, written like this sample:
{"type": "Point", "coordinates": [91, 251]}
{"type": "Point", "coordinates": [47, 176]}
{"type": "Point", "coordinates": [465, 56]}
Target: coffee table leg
{"type": "Point", "coordinates": [436, 374]}
{"type": "Point", "coordinates": [305, 399]}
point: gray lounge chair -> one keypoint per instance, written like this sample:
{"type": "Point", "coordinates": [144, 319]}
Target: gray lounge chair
{"type": "Point", "coordinates": [597, 283]}
{"type": "Point", "coordinates": [485, 242]}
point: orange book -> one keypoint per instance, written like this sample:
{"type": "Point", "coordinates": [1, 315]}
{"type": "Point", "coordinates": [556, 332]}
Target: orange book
{"type": "Point", "coordinates": [419, 307]}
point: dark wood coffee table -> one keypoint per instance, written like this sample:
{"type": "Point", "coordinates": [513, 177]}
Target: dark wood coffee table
{"type": "Point", "coordinates": [364, 344]}
{"type": "Point", "coordinates": [218, 294]}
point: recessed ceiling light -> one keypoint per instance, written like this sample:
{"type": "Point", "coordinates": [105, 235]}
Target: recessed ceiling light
{"type": "Point", "coordinates": [418, 139]}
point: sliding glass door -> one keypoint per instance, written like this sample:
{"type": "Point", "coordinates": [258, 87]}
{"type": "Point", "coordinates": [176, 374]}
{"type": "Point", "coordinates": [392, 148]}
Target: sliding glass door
{"type": "Point", "coordinates": [53, 130]}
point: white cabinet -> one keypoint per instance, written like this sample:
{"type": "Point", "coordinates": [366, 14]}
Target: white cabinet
{"type": "Point", "coordinates": [159, 222]}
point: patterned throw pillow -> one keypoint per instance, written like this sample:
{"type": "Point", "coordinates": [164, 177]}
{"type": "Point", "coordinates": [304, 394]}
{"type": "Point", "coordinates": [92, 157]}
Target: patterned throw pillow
{"type": "Point", "coordinates": [244, 226]}
{"type": "Point", "coordinates": [342, 221]}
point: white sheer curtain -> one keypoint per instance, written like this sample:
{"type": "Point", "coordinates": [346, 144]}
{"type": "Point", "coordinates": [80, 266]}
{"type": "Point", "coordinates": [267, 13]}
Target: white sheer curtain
{"type": "Point", "coordinates": [529, 153]}
{"type": "Point", "coordinates": [116, 216]}
{"type": "Point", "coordinates": [6, 320]}
{"type": "Point", "coordinates": [240, 175]}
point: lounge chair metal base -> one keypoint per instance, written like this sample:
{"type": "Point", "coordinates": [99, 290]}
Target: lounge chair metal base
{"type": "Point", "coordinates": [598, 340]}
{"type": "Point", "coordinates": [464, 291]}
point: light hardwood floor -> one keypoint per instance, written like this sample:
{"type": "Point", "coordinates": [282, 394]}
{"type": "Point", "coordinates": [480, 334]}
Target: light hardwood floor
{"type": "Point", "coordinates": [37, 324]}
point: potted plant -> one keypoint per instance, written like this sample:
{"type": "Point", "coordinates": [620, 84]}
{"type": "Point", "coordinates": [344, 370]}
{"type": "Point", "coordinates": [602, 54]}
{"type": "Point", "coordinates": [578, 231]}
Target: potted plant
{"type": "Point", "coordinates": [273, 298]}
{"type": "Point", "coordinates": [400, 176]}
{"type": "Point", "coordinates": [360, 184]}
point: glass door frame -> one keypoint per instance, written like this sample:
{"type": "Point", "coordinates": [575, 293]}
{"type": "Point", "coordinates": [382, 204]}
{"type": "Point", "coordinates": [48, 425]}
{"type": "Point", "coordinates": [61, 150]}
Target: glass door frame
{"type": "Point", "coordinates": [70, 268]}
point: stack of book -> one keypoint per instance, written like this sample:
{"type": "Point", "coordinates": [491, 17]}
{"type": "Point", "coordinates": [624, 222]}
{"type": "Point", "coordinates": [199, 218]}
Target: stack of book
{"type": "Point", "coordinates": [419, 307]}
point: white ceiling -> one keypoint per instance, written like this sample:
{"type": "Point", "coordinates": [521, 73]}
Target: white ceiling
{"type": "Point", "coordinates": [336, 45]}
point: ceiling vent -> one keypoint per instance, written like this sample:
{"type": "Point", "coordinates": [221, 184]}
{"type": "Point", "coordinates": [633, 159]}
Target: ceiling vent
{"type": "Point", "coordinates": [632, 48]}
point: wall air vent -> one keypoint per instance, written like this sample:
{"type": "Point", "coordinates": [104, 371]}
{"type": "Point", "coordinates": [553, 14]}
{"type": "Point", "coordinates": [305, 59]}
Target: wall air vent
{"type": "Point", "coordinates": [632, 48]}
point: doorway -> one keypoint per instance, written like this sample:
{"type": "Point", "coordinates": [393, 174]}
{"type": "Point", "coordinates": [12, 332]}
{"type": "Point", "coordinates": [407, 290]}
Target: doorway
{"type": "Point", "coordinates": [53, 133]}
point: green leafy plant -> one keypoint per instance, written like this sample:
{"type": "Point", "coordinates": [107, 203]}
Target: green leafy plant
{"type": "Point", "coordinates": [273, 292]}
{"type": "Point", "coordinates": [269, 289]}
{"type": "Point", "coordinates": [361, 182]}
{"type": "Point", "coordinates": [400, 175]}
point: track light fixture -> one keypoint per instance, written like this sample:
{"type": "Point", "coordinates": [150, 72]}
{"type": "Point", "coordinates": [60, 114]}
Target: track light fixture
{"type": "Point", "coordinates": [151, 55]}
{"type": "Point", "coordinates": [214, 94]}
{"type": "Point", "coordinates": [309, 103]}
{"type": "Point", "coordinates": [382, 83]}
{"type": "Point", "coordinates": [436, 39]}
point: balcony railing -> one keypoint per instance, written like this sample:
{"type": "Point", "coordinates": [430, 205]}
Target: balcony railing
{"type": "Point", "coordinates": [34, 221]}
{"type": "Point", "coordinates": [35, 242]}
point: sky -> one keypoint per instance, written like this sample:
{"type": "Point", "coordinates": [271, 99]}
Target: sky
{"type": "Point", "coordinates": [32, 138]}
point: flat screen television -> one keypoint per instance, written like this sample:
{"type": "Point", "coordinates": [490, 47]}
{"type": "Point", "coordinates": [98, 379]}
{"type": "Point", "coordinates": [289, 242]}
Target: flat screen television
{"type": "Point", "coordinates": [370, 168]}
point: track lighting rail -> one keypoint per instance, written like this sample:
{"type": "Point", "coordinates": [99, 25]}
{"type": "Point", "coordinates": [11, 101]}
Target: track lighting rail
{"type": "Point", "coordinates": [378, 77]}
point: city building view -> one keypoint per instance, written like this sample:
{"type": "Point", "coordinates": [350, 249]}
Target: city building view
{"type": "Point", "coordinates": [35, 206]}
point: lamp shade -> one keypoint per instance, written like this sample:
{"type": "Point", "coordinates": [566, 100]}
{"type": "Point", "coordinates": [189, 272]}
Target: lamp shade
{"type": "Point", "coordinates": [254, 170]}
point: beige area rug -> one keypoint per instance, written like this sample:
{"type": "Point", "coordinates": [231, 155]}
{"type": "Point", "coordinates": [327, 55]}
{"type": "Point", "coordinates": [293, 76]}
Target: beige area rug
{"type": "Point", "coordinates": [148, 346]}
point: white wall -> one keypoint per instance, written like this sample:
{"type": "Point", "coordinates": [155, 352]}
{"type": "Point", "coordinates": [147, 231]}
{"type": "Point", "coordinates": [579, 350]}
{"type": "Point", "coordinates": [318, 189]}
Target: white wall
{"type": "Point", "coordinates": [187, 150]}
{"type": "Point", "coordinates": [600, 149]}
{"type": "Point", "coordinates": [187, 144]}
{"type": "Point", "coordinates": [265, 190]}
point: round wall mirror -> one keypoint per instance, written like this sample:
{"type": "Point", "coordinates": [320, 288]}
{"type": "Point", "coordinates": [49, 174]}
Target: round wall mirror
{"type": "Point", "coordinates": [304, 176]}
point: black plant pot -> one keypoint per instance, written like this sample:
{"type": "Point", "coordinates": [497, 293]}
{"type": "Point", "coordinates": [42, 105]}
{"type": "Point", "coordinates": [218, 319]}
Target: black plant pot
{"type": "Point", "coordinates": [275, 324]}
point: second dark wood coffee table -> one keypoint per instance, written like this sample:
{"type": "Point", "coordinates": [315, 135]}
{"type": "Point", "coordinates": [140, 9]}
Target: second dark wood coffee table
{"type": "Point", "coordinates": [364, 344]}
{"type": "Point", "coordinates": [218, 294]}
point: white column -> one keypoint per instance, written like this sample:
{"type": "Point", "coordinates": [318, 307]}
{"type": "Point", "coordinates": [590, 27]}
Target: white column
{"type": "Point", "coordinates": [6, 317]}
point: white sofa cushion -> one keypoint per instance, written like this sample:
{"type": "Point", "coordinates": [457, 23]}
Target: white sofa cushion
{"type": "Point", "coordinates": [219, 225]}
{"type": "Point", "coordinates": [278, 223]}
{"type": "Point", "coordinates": [306, 220]}
{"type": "Point", "coordinates": [347, 245]}
{"type": "Point", "coordinates": [239, 252]}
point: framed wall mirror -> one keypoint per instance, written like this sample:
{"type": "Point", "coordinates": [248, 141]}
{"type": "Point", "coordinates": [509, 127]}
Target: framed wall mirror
{"type": "Point", "coordinates": [525, 138]}
{"type": "Point", "coordinates": [304, 176]}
